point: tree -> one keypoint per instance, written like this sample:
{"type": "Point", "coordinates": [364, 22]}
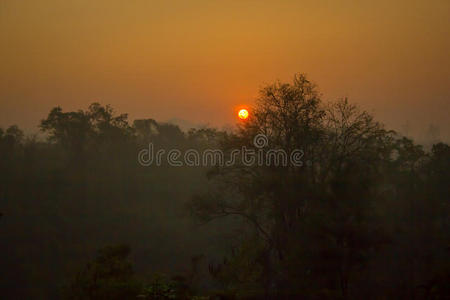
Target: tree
{"type": "Point", "coordinates": [325, 208]}
{"type": "Point", "coordinates": [76, 131]}
{"type": "Point", "coordinates": [71, 130]}
{"type": "Point", "coordinates": [109, 276]}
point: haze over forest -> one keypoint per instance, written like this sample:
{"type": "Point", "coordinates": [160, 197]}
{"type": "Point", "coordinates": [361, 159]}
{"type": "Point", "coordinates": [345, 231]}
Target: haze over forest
{"type": "Point", "coordinates": [225, 150]}
{"type": "Point", "coordinates": [198, 60]}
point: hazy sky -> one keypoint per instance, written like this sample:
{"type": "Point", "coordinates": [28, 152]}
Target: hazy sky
{"type": "Point", "coordinates": [198, 60]}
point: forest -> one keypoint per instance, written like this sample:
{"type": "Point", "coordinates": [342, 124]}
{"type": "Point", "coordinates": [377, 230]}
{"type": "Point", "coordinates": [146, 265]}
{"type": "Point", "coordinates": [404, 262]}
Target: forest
{"type": "Point", "coordinates": [366, 218]}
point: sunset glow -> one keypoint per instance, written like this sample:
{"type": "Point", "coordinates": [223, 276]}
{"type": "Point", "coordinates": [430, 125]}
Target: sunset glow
{"type": "Point", "coordinates": [310, 139]}
{"type": "Point", "coordinates": [243, 114]}
{"type": "Point", "coordinates": [204, 58]}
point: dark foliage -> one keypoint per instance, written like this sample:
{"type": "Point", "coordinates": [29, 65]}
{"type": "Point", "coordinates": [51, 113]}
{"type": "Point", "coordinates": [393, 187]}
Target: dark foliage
{"type": "Point", "coordinates": [365, 217]}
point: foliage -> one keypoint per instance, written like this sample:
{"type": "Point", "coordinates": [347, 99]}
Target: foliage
{"type": "Point", "coordinates": [109, 276]}
{"type": "Point", "coordinates": [160, 288]}
{"type": "Point", "coordinates": [320, 225]}
{"type": "Point", "coordinates": [365, 217]}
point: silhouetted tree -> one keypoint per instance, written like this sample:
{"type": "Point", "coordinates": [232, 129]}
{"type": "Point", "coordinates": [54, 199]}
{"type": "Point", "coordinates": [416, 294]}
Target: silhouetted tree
{"type": "Point", "coordinates": [109, 276]}
{"type": "Point", "coordinates": [365, 216]}
{"type": "Point", "coordinates": [323, 209]}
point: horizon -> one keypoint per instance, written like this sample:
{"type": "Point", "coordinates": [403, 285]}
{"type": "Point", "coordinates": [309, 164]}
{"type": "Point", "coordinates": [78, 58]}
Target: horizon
{"type": "Point", "coordinates": [198, 61]}
{"type": "Point", "coordinates": [225, 149]}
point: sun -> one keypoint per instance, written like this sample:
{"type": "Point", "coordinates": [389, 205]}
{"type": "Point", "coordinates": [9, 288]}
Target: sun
{"type": "Point", "coordinates": [243, 114]}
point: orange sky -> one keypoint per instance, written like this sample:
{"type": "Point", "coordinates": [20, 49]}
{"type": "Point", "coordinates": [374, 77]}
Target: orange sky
{"type": "Point", "coordinates": [198, 60]}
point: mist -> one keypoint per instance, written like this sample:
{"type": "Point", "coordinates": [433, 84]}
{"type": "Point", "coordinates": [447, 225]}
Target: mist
{"type": "Point", "coordinates": [126, 171]}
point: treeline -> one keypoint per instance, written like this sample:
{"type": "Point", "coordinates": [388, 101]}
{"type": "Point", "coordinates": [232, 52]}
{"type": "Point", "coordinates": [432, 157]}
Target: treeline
{"type": "Point", "coordinates": [81, 188]}
{"type": "Point", "coordinates": [365, 217]}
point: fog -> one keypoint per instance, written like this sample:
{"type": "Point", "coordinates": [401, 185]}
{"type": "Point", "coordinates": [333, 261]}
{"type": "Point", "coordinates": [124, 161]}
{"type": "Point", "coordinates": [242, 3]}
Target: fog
{"type": "Point", "coordinates": [198, 61]}
{"type": "Point", "coordinates": [339, 189]}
